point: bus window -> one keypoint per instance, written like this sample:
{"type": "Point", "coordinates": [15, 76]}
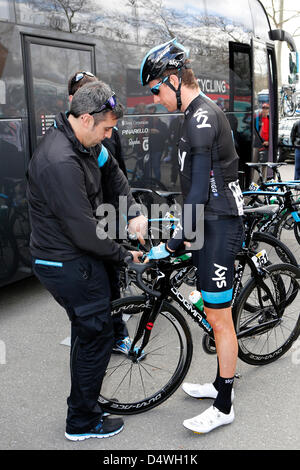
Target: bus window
{"type": "Point", "coordinates": [261, 101]}
{"type": "Point", "coordinates": [6, 10]}
{"type": "Point", "coordinates": [260, 20]}
{"type": "Point", "coordinates": [51, 65]}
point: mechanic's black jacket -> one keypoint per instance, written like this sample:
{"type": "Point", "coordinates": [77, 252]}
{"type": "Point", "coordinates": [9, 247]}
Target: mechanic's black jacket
{"type": "Point", "coordinates": [64, 190]}
{"type": "Point", "coordinates": [295, 134]}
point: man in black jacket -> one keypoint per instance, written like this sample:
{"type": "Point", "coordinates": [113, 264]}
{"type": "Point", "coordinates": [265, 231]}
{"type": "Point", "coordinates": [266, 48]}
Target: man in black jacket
{"type": "Point", "coordinates": [113, 145]}
{"type": "Point", "coordinates": [295, 139]}
{"type": "Point", "coordinates": [64, 193]}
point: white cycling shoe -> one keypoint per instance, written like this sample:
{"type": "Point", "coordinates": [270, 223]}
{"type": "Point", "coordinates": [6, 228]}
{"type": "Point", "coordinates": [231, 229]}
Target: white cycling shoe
{"type": "Point", "coordinates": [202, 391]}
{"type": "Point", "coordinates": [208, 420]}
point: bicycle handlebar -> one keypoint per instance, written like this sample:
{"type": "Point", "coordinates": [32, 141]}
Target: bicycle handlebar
{"type": "Point", "coordinates": [139, 269]}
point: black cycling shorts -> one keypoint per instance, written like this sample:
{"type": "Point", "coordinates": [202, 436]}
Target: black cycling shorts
{"type": "Point", "coordinates": [223, 238]}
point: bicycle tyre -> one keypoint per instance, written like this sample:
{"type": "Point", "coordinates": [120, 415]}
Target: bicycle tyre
{"type": "Point", "coordinates": [289, 108]}
{"type": "Point", "coordinates": [154, 388]}
{"type": "Point", "coordinates": [282, 250]}
{"type": "Point", "coordinates": [286, 230]}
{"type": "Point", "coordinates": [267, 340]}
{"type": "Point", "coordinates": [297, 232]}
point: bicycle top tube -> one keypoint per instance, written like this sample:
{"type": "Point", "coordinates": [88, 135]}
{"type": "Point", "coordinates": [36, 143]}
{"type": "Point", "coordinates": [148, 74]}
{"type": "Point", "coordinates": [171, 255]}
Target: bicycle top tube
{"type": "Point", "coordinates": [267, 193]}
{"type": "Point", "coordinates": [291, 184]}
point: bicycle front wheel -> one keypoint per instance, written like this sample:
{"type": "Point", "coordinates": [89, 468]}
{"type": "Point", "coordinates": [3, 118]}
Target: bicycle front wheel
{"type": "Point", "coordinates": [267, 315]}
{"type": "Point", "coordinates": [132, 386]}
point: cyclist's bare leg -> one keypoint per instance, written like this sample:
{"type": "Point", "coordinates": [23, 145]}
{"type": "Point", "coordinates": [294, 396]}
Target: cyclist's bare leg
{"type": "Point", "coordinates": [225, 339]}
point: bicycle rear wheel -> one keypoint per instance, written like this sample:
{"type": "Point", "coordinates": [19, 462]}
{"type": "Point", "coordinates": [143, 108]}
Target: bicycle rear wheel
{"type": "Point", "coordinates": [265, 334]}
{"type": "Point", "coordinates": [133, 386]}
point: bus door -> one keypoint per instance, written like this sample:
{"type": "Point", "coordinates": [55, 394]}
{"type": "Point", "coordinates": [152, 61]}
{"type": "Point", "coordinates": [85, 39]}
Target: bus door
{"type": "Point", "coordinates": [48, 65]}
{"type": "Point", "coordinates": [240, 104]}
{"type": "Point", "coordinates": [264, 104]}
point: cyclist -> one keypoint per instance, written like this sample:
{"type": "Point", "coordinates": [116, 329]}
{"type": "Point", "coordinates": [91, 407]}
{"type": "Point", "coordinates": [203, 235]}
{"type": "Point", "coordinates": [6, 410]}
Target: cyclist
{"type": "Point", "coordinates": [113, 144]}
{"type": "Point", "coordinates": [64, 192]}
{"type": "Point", "coordinates": [208, 165]}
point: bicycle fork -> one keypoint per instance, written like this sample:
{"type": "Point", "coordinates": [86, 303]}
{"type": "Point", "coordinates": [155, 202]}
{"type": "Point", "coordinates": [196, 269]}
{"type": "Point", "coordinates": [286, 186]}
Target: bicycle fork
{"type": "Point", "coordinates": [152, 310]}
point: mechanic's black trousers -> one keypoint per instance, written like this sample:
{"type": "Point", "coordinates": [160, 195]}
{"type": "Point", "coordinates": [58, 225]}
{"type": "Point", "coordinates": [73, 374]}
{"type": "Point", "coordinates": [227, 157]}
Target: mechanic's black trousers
{"type": "Point", "coordinates": [81, 286]}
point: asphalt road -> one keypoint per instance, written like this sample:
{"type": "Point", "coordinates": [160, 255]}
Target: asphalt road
{"type": "Point", "coordinates": [34, 385]}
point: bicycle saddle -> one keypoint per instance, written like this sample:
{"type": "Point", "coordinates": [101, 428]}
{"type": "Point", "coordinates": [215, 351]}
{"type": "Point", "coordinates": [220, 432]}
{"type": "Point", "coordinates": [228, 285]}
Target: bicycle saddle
{"type": "Point", "coordinates": [167, 193]}
{"type": "Point", "coordinates": [254, 165]}
{"type": "Point", "coordinates": [140, 190]}
{"type": "Point", "coordinates": [273, 165]}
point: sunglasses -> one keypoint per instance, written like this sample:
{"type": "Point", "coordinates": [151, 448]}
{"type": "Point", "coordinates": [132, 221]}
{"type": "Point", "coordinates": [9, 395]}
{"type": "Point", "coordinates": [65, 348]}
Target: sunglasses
{"type": "Point", "coordinates": [79, 76]}
{"type": "Point", "coordinates": [111, 103]}
{"type": "Point", "coordinates": [155, 88]}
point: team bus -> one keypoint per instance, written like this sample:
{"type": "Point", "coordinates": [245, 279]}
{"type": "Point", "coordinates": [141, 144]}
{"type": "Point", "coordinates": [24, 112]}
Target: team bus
{"type": "Point", "coordinates": [232, 50]}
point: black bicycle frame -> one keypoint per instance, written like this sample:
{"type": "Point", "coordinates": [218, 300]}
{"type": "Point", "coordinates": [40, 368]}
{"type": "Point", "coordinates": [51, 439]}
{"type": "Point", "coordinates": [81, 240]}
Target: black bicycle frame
{"type": "Point", "coordinates": [287, 204]}
{"type": "Point", "coordinates": [168, 289]}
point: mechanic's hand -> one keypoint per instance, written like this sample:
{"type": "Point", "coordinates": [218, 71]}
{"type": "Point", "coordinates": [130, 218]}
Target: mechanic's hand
{"type": "Point", "coordinates": [138, 226]}
{"type": "Point", "coordinates": [136, 255]}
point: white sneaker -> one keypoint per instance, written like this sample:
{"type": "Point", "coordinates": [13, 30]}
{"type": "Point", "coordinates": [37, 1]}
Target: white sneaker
{"type": "Point", "coordinates": [208, 420]}
{"type": "Point", "coordinates": [202, 391]}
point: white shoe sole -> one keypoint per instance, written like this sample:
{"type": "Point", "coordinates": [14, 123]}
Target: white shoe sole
{"type": "Point", "coordinates": [82, 437]}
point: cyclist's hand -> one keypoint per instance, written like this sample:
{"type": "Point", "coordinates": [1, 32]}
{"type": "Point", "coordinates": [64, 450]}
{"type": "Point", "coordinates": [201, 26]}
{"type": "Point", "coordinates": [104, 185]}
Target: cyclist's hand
{"type": "Point", "coordinates": [138, 226]}
{"type": "Point", "coordinates": [136, 255]}
{"type": "Point", "coordinates": [157, 252]}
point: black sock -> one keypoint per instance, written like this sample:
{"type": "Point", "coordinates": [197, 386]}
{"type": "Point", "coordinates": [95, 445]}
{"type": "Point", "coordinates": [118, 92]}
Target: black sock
{"type": "Point", "coordinates": [223, 400]}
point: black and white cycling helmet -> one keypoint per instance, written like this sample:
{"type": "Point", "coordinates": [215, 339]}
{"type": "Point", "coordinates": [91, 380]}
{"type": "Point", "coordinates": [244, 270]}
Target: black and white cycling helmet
{"type": "Point", "coordinates": [170, 55]}
{"type": "Point", "coordinates": [163, 57]}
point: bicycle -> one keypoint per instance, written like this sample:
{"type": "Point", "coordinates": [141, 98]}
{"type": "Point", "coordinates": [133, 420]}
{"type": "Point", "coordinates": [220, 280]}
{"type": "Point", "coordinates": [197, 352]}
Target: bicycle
{"type": "Point", "coordinates": [255, 241]}
{"type": "Point", "coordinates": [263, 314]}
{"type": "Point", "coordinates": [288, 102]}
{"type": "Point", "coordinates": [284, 219]}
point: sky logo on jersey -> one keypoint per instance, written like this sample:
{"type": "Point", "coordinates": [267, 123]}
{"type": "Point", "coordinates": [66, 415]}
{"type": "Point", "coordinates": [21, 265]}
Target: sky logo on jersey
{"type": "Point", "coordinates": [202, 118]}
{"type": "Point", "coordinates": [181, 159]}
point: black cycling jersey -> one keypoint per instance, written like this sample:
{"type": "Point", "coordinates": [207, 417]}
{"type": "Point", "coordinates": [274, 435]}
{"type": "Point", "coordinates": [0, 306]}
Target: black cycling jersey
{"type": "Point", "coordinates": [208, 165]}
{"type": "Point", "coordinates": [206, 133]}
